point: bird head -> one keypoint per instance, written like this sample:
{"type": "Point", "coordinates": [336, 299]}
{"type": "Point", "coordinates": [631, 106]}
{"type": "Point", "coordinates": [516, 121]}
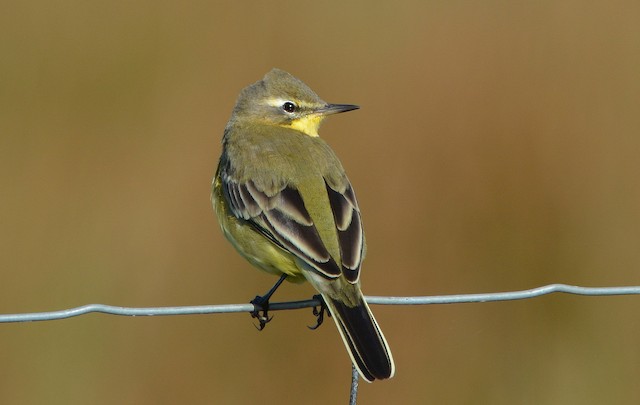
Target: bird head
{"type": "Point", "coordinates": [283, 100]}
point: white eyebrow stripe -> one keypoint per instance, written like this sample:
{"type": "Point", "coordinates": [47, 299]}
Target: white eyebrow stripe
{"type": "Point", "coordinates": [278, 102]}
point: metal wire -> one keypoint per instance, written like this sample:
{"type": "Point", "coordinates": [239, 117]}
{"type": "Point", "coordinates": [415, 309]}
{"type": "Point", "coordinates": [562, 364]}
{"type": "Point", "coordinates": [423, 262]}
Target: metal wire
{"type": "Point", "coordinates": [277, 306]}
{"type": "Point", "coordinates": [353, 393]}
{"type": "Point", "coordinates": [231, 308]}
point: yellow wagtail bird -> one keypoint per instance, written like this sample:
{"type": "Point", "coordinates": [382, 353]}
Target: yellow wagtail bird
{"type": "Point", "coordinates": [285, 203]}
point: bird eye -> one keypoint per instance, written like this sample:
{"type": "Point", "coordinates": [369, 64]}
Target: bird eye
{"type": "Point", "coordinates": [289, 107]}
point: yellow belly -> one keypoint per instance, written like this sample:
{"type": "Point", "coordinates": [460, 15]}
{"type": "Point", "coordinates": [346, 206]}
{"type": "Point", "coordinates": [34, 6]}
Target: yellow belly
{"type": "Point", "coordinates": [252, 245]}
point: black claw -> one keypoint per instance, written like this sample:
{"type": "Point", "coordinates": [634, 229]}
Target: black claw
{"type": "Point", "coordinates": [261, 305]}
{"type": "Point", "coordinates": [261, 311]}
{"type": "Point", "coordinates": [319, 313]}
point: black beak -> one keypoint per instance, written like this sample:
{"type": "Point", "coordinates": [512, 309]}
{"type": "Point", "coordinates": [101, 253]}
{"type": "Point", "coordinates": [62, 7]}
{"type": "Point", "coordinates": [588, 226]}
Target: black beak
{"type": "Point", "coordinates": [336, 108]}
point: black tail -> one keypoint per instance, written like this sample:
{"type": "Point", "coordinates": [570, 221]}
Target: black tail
{"type": "Point", "coordinates": [363, 338]}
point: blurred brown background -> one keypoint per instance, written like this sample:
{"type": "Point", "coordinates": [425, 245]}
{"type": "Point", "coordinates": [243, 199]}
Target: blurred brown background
{"type": "Point", "coordinates": [497, 149]}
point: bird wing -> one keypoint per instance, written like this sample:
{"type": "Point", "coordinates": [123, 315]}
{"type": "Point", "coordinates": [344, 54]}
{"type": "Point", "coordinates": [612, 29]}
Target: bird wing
{"type": "Point", "coordinates": [349, 225]}
{"type": "Point", "coordinates": [281, 216]}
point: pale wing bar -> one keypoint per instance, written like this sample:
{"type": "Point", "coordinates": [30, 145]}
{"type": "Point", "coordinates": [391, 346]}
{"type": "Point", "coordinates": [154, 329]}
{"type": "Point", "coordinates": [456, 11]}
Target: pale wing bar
{"type": "Point", "coordinates": [282, 218]}
{"type": "Point", "coordinates": [347, 217]}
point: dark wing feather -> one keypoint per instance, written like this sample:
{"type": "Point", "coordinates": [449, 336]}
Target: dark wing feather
{"type": "Point", "coordinates": [350, 236]}
{"type": "Point", "coordinates": [282, 218]}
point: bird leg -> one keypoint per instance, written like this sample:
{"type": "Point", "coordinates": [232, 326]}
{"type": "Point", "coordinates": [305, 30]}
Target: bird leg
{"type": "Point", "coordinates": [319, 313]}
{"type": "Point", "coordinates": [261, 304]}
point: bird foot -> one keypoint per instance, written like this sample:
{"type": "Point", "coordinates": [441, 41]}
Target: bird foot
{"type": "Point", "coordinates": [319, 312]}
{"type": "Point", "coordinates": [261, 311]}
{"type": "Point", "coordinates": [261, 305]}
